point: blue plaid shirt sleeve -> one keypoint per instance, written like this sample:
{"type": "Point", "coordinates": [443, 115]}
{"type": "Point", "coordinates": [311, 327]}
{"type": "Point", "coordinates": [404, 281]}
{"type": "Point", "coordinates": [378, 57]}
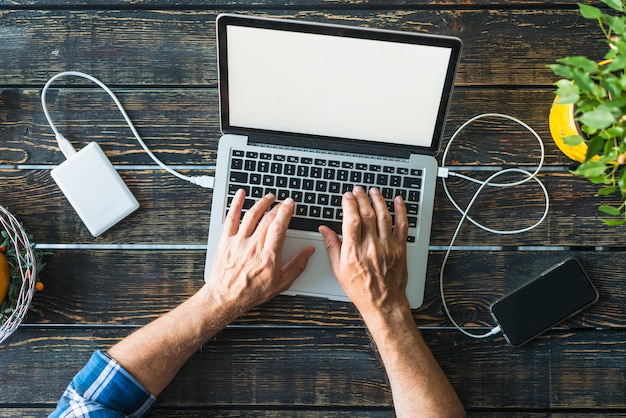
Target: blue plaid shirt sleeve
{"type": "Point", "coordinates": [104, 389]}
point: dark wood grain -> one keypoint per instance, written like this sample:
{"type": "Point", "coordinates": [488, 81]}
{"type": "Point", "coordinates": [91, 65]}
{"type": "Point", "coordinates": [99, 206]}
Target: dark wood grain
{"type": "Point", "coordinates": [323, 413]}
{"type": "Point", "coordinates": [322, 368]}
{"type": "Point", "coordinates": [34, 198]}
{"type": "Point", "coordinates": [364, 385]}
{"type": "Point", "coordinates": [260, 4]}
{"type": "Point", "coordinates": [132, 287]}
{"type": "Point", "coordinates": [237, 413]}
{"type": "Point", "coordinates": [130, 46]}
{"type": "Point", "coordinates": [295, 356]}
{"type": "Point", "coordinates": [181, 126]}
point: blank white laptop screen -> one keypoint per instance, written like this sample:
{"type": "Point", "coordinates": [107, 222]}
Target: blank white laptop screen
{"type": "Point", "coordinates": [404, 82]}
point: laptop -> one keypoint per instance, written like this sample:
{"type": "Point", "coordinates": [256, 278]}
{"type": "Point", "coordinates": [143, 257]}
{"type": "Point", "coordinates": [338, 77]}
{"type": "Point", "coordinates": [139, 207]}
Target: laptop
{"type": "Point", "coordinates": [308, 110]}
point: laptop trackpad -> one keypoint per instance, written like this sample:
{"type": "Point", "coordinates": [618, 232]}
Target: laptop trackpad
{"type": "Point", "coordinates": [317, 279]}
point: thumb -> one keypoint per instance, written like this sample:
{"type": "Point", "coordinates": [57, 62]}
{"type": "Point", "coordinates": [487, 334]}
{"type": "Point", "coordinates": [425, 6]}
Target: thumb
{"type": "Point", "coordinates": [294, 267]}
{"type": "Point", "coordinates": [333, 245]}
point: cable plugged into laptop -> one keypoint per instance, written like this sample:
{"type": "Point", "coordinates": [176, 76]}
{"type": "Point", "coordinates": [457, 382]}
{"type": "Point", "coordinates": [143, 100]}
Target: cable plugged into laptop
{"type": "Point", "coordinates": [445, 172]}
{"type": "Point", "coordinates": [203, 181]}
{"type": "Point", "coordinates": [68, 150]}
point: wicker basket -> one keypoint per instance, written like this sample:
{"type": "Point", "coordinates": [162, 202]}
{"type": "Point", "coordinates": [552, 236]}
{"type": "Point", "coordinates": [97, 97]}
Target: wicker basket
{"type": "Point", "coordinates": [21, 257]}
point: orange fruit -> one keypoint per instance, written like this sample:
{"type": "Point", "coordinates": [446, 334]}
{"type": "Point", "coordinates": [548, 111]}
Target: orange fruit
{"type": "Point", "coordinates": [5, 276]}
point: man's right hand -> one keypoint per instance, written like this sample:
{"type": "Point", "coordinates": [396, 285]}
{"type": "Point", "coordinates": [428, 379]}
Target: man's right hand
{"type": "Point", "coordinates": [370, 263]}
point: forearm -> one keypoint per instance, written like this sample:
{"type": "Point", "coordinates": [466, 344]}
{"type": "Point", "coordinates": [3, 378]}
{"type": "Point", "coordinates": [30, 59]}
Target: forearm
{"type": "Point", "coordinates": [419, 386]}
{"type": "Point", "coordinates": [247, 273]}
{"type": "Point", "coordinates": [156, 352]}
{"type": "Point", "coordinates": [370, 262]}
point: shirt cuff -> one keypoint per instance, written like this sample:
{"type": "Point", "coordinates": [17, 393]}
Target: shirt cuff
{"type": "Point", "coordinates": [106, 383]}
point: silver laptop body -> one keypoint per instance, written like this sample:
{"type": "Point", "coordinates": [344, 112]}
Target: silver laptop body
{"type": "Point", "coordinates": [308, 110]}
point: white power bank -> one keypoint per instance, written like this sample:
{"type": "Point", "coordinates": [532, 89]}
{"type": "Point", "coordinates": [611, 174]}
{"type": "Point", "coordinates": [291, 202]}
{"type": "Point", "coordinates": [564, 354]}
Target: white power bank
{"type": "Point", "coordinates": [94, 189]}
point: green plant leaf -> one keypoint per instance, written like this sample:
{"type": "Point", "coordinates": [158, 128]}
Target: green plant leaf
{"type": "Point", "coordinates": [588, 131]}
{"type": "Point", "coordinates": [615, 132]}
{"type": "Point", "coordinates": [599, 118]}
{"type": "Point", "coordinates": [619, 45]}
{"type": "Point", "coordinates": [581, 62]}
{"type": "Point", "coordinates": [619, 63]}
{"type": "Point", "coordinates": [589, 12]}
{"type": "Point", "coordinates": [583, 81]}
{"type": "Point", "coordinates": [599, 91]}
{"type": "Point", "coordinates": [604, 191]}
{"type": "Point", "coordinates": [614, 86]}
{"type": "Point", "coordinates": [608, 150]}
{"type": "Point", "coordinates": [610, 210]}
{"type": "Point", "coordinates": [614, 4]}
{"type": "Point", "coordinates": [561, 70]}
{"type": "Point", "coordinates": [622, 81]}
{"type": "Point", "coordinates": [573, 140]}
{"type": "Point", "coordinates": [616, 23]}
{"type": "Point", "coordinates": [590, 169]}
{"type": "Point", "coordinates": [603, 179]}
{"type": "Point", "coordinates": [610, 54]}
{"type": "Point", "coordinates": [614, 222]}
{"type": "Point", "coordinates": [567, 92]}
{"type": "Point", "coordinates": [595, 147]}
{"type": "Point", "coordinates": [618, 102]}
{"type": "Point", "coordinates": [585, 105]}
{"type": "Point", "coordinates": [608, 154]}
{"type": "Point", "coordinates": [621, 181]}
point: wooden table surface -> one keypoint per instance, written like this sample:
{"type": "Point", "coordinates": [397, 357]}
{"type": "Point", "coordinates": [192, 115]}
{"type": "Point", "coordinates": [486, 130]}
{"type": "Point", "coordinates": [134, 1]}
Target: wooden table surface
{"type": "Point", "coordinates": [294, 356]}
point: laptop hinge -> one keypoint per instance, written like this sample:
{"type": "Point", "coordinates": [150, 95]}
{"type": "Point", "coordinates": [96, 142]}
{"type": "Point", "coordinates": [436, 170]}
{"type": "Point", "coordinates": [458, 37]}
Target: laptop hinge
{"type": "Point", "coordinates": [329, 145]}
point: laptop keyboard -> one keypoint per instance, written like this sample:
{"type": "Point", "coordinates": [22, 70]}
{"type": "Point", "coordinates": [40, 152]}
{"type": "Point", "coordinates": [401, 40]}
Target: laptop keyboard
{"type": "Point", "coordinates": [317, 183]}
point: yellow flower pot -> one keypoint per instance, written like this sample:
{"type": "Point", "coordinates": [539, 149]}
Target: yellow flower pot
{"type": "Point", "coordinates": [562, 125]}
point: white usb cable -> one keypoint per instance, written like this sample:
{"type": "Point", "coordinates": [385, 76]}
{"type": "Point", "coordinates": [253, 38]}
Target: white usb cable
{"type": "Point", "coordinates": [68, 150]}
{"type": "Point", "coordinates": [445, 172]}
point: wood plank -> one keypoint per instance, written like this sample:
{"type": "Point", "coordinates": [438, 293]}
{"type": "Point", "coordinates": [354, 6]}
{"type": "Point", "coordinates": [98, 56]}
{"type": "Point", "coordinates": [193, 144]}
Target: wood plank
{"type": "Point", "coordinates": [34, 198]}
{"type": "Point", "coordinates": [294, 356]}
{"type": "Point", "coordinates": [103, 287]}
{"type": "Point", "coordinates": [573, 212]}
{"type": "Point", "coordinates": [132, 287]}
{"type": "Point", "coordinates": [553, 370]}
{"type": "Point", "coordinates": [264, 367]}
{"type": "Point", "coordinates": [474, 280]}
{"type": "Point", "coordinates": [181, 125]}
{"type": "Point", "coordinates": [128, 47]}
{"type": "Point", "coordinates": [322, 413]}
{"type": "Point", "coordinates": [166, 4]}
{"type": "Point", "coordinates": [322, 351]}
{"type": "Point", "coordinates": [235, 413]}
{"type": "Point", "coordinates": [497, 141]}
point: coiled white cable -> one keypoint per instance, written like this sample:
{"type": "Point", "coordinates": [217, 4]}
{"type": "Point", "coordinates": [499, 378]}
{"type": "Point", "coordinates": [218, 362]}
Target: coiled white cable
{"type": "Point", "coordinates": [68, 150]}
{"type": "Point", "coordinates": [447, 171]}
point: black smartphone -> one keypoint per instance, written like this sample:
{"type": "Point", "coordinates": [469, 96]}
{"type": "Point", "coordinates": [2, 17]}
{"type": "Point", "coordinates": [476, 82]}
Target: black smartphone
{"type": "Point", "coordinates": [556, 294]}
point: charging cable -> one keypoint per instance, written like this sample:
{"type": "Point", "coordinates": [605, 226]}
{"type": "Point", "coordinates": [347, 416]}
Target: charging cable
{"type": "Point", "coordinates": [68, 150]}
{"type": "Point", "coordinates": [445, 172]}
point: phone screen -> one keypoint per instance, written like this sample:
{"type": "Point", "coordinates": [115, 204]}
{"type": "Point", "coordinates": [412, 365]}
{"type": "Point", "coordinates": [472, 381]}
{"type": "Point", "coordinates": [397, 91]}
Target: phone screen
{"type": "Point", "coordinates": [555, 295]}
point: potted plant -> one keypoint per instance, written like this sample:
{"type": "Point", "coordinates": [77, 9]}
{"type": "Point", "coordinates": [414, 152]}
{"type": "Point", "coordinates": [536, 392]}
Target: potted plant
{"type": "Point", "coordinates": [588, 117]}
